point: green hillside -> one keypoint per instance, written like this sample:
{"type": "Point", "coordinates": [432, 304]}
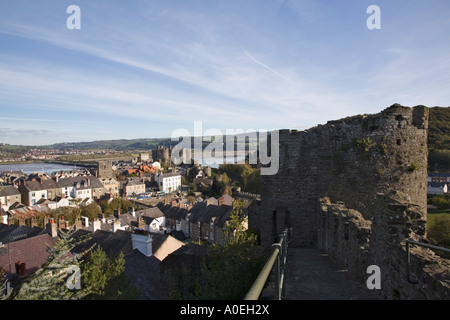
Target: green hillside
{"type": "Point", "coordinates": [439, 129]}
{"type": "Point", "coordinates": [439, 139]}
{"type": "Point", "coordinates": [118, 145]}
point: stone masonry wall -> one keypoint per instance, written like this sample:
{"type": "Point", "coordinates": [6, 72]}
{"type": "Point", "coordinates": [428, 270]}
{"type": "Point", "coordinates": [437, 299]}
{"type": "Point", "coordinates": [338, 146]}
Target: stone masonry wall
{"type": "Point", "coordinates": [357, 188]}
{"type": "Point", "coordinates": [349, 160]}
{"type": "Point", "coordinates": [354, 243]}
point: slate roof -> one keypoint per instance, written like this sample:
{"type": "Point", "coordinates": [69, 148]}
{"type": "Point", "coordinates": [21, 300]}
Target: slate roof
{"type": "Point", "coordinates": [154, 213]}
{"type": "Point", "coordinates": [94, 182]}
{"type": "Point", "coordinates": [47, 184]}
{"type": "Point", "coordinates": [437, 184]}
{"type": "Point", "coordinates": [172, 212]}
{"type": "Point", "coordinates": [32, 251]}
{"type": "Point", "coordinates": [170, 174]}
{"type": "Point", "coordinates": [147, 215]}
{"type": "Point", "coordinates": [10, 233]}
{"type": "Point", "coordinates": [134, 182]}
{"type": "Point", "coordinates": [144, 272]}
{"type": "Point", "coordinates": [33, 186]}
{"type": "Point", "coordinates": [203, 213]}
{"type": "Point", "coordinates": [179, 235]}
{"type": "Point", "coordinates": [6, 191]}
{"type": "Point", "coordinates": [111, 243]}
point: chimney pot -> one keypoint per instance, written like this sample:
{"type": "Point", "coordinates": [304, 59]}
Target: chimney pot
{"type": "Point", "coordinates": [21, 269]}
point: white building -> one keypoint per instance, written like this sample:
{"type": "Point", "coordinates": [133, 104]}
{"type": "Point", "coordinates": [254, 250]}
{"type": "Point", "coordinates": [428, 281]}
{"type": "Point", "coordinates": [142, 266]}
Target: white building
{"type": "Point", "coordinates": [437, 188]}
{"type": "Point", "coordinates": [32, 193]}
{"type": "Point", "coordinates": [169, 182]}
{"type": "Point", "coordinates": [76, 188]}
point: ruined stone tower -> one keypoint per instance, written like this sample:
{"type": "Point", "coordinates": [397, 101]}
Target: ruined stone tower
{"type": "Point", "coordinates": [350, 160]}
{"type": "Point", "coordinates": [356, 188]}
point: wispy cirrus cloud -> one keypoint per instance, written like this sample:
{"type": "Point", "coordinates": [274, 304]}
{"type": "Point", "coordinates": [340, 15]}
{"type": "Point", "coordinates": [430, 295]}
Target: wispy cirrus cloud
{"type": "Point", "coordinates": [162, 65]}
{"type": "Point", "coordinates": [237, 77]}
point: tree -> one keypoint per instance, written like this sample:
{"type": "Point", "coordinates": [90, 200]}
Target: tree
{"type": "Point", "coordinates": [67, 276]}
{"type": "Point", "coordinates": [108, 207]}
{"type": "Point", "coordinates": [230, 269]}
{"type": "Point", "coordinates": [3, 283]}
{"type": "Point", "coordinates": [442, 202]}
{"type": "Point", "coordinates": [105, 279]}
{"type": "Point", "coordinates": [91, 211]}
{"type": "Point", "coordinates": [52, 280]}
{"type": "Point", "coordinates": [241, 174]}
{"type": "Point", "coordinates": [439, 233]}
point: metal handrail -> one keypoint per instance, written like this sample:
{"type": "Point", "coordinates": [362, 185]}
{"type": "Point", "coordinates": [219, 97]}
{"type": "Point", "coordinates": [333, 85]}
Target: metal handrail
{"type": "Point", "coordinates": [277, 258]}
{"type": "Point", "coordinates": [408, 255]}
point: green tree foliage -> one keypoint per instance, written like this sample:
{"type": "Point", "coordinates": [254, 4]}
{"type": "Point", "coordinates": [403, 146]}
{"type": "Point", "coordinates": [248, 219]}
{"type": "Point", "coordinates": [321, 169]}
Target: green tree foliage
{"type": "Point", "coordinates": [104, 277]}
{"type": "Point", "coordinates": [231, 268]}
{"type": "Point", "coordinates": [91, 211]}
{"type": "Point", "coordinates": [439, 139]}
{"type": "Point", "coordinates": [439, 160]}
{"type": "Point", "coordinates": [243, 174]}
{"type": "Point", "coordinates": [3, 283]}
{"type": "Point", "coordinates": [99, 277]}
{"type": "Point", "coordinates": [439, 233]}
{"type": "Point", "coordinates": [442, 202]}
{"type": "Point", "coordinates": [50, 281]}
{"type": "Point", "coordinates": [108, 207]}
{"type": "Point", "coordinates": [439, 128]}
{"type": "Point", "coordinates": [69, 214]}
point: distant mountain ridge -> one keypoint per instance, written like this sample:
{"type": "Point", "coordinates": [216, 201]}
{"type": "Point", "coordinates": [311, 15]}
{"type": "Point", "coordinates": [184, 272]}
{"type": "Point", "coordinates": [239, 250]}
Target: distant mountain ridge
{"type": "Point", "coordinates": [118, 145]}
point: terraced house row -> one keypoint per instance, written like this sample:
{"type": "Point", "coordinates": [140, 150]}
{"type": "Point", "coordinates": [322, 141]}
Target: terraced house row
{"type": "Point", "coordinates": [34, 191]}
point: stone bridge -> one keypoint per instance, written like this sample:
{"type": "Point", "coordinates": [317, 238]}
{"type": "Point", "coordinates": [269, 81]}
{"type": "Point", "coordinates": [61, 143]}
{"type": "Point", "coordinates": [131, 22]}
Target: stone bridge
{"type": "Point", "coordinates": [354, 190]}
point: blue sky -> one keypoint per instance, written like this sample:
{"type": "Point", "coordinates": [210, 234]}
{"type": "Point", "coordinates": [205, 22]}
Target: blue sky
{"type": "Point", "coordinates": [143, 68]}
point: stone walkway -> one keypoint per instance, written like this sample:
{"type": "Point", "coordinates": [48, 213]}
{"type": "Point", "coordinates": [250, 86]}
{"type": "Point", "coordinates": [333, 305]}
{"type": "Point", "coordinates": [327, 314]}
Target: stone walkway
{"type": "Point", "coordinates": [310, 275]}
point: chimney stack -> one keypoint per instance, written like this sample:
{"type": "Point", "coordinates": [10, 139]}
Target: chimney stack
{"type": "Point", "coordinates": [142, 241]}
{"type": "Point", "coordinates": [78, 224]}
{"type": "Point", "coordinates": [61, 223]}
{"type": "Point", "coordinates": [51, 228]}
{"type": "Point", "coordinates": [33, 222]}
{"type": "Point", "coordinates": [85, 221]}
{"type": "Point", "coordinates": [96, 224]}
{"type": "Point", "coordinates": [140, 223]}
{"type": "Point", "coordinates": [21, 269]}
{"type": "Point", "coordinates": [115, 225]}
{"type": "Point", "coordinates": [101, 216]}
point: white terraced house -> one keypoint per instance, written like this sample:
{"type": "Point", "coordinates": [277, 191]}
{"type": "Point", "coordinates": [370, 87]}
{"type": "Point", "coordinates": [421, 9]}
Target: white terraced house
{"type": "Point", "coordinates": [169, 182]}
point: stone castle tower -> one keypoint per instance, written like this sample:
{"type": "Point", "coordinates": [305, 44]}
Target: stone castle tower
{"type": "Point", "coordinates": [357, 189]}
{"type": "Point", "coordinates": [104, 169]}
{"type": "Point", "coordinates": [350, 160]}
